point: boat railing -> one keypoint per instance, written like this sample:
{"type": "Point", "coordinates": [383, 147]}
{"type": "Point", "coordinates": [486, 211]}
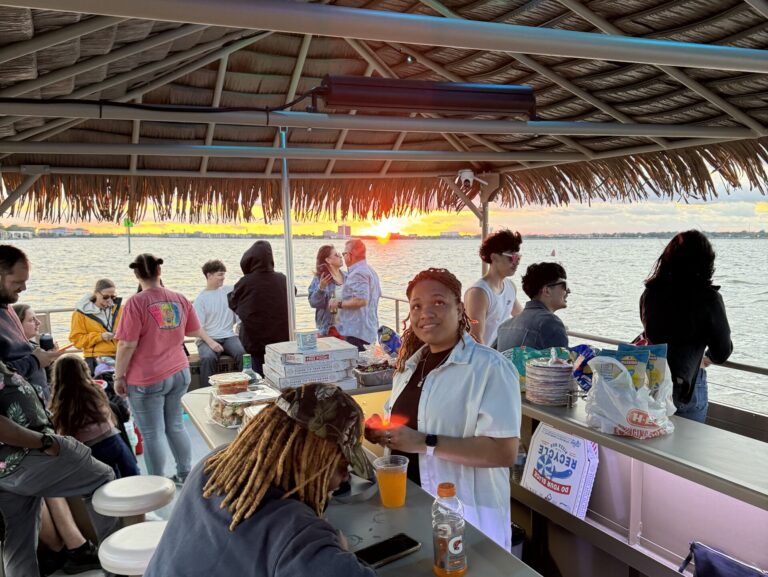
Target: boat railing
{"type": "Point", "coordinates": [739, 420]}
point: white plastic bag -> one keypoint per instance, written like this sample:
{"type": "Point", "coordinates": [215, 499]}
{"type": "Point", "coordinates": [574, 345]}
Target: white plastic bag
{"type": "Point", "coordinates": [614, 405]}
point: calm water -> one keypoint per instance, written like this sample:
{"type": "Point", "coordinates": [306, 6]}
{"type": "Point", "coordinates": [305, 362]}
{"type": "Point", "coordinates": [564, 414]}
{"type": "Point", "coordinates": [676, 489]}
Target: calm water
{"type": "Point", "coordinates": [605, 276]}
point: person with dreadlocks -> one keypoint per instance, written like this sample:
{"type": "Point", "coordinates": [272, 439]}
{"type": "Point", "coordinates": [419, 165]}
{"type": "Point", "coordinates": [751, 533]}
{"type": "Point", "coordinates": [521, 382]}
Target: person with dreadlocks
{"type": "Point", "coordinates": [460, 402]}
{"type": "Point", "coordinates": [254, 508]}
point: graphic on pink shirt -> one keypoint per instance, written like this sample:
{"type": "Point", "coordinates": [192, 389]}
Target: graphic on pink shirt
{"type": "Point", "coordinates": [167, 315]}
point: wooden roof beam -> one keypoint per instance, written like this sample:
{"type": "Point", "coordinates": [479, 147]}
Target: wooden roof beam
{"type": "Point", "coordinates": [418, 29]}
{"type": "Point", "coordinates": [218, 88]}
{"type": "Point", "coordinates": [759, 6]}
{"type": "Point", "coordinates": [695, 86]}
{"type": "Point", "coordinates": [344, 131]}
{"type": "Point", "coordinates": [445, 73]}
{"type": "Point", "coordinates": [373, 59]}
{"type": "Point", "coordinates": [291, 94]}
{"type": "Point", "coordinates": [554, 77]}
{"type": "Point", "coordinates": [48, 39]}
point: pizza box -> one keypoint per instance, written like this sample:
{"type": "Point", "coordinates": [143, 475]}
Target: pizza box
{"type": "Point", "coordinates": [328, 349]}
{"type": "Point", "coordinates": [561, 468]}
{"type": "Point", "coordinates": [311, 368]}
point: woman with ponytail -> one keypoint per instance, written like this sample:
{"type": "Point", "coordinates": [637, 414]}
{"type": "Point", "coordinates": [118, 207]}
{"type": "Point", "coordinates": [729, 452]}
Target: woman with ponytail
{"type": "Point", "coordinates": [152, 369]}
{"type": "Point", "coordinates": [460, 405]}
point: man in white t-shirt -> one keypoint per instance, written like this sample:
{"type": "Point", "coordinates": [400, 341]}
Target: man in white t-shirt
{"type": "Point", "coordinates": [493, 298]}
{"type": "Point", "coordinates": [218, 321]}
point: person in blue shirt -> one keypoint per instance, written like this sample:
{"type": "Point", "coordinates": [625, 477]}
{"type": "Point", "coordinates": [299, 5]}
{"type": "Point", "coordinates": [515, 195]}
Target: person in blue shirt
{"type": "Point", "coordinates": [537, 326]}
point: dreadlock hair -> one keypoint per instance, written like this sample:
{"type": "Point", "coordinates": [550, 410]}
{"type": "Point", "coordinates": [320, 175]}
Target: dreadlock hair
{"type": "Point", "coordinates": [273, 450]}
{"type": "Point", "coordinates": [410, 343]}
{"type": "Point", "coordinates": [76, 401]}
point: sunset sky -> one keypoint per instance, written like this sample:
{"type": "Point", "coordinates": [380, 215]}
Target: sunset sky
{"type": "Point", "coordinates": [742, 210]}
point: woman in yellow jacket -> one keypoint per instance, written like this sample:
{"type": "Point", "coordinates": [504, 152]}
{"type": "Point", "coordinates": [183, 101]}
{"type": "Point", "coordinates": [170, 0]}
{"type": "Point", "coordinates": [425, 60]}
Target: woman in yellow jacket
{"type": "Point", "coordinates": [94, 323]}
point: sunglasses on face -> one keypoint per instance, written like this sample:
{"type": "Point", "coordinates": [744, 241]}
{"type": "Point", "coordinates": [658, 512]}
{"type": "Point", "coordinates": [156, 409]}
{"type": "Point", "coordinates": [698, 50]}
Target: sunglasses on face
{"type": "Point", "coordinates": [562, 282]}
{"type": "Point", "coordinates": [513, 256]}
{"type": "Point", "coordinates": [107, 297]}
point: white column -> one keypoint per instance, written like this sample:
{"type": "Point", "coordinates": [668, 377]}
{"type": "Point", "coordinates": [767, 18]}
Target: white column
{"type": "Point", "coordinates": [288, 234]}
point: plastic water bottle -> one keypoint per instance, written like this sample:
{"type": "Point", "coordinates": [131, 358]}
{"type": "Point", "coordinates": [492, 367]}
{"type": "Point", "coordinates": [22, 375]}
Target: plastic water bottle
{"type": "Point", "coordinates": [450, 556]}
{"type": "Point", "coordinates": [253, 376]}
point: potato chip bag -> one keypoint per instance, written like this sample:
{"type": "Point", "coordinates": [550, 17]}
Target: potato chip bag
{"type": "Point", "coordinates": [636, 363]}
{"type": "Point", "coordinates": [657, 365]}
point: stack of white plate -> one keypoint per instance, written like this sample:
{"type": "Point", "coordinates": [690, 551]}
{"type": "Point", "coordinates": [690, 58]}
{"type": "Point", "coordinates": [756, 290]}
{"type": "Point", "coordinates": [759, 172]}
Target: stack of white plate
{"type": "Point", "coordinates": [547, 384]}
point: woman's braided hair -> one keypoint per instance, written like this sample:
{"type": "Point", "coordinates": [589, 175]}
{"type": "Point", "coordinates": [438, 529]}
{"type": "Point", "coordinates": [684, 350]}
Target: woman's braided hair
{"type": "Point", "coordinates": [273, 450]}
{"type": "Point", "coordinates": [410, 343]}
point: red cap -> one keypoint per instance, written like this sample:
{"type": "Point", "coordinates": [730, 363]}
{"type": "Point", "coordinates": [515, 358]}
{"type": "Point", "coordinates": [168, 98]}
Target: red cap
{"type": "Point", "coordinates": [446, 490]}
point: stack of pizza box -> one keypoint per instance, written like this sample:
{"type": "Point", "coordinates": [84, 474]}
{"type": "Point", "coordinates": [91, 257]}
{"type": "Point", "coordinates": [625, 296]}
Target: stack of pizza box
{"type": "Point", "coordinates": [332, 361]}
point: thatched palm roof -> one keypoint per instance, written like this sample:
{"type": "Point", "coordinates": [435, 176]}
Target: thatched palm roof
{"type": "Point", "coordinates": [116, 59]}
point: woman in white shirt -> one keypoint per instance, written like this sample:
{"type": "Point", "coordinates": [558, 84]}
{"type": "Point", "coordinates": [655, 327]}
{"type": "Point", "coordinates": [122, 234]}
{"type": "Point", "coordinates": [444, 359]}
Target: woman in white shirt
{"type": "Point", "coordinates": [461, 406]}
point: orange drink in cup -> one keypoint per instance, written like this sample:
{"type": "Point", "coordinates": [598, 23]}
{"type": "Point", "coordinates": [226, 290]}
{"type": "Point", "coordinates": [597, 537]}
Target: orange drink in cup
{"type": "Point", "coordinates": [391, 475]}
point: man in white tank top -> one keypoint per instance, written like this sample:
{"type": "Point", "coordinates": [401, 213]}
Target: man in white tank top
{"type": "Point", "coordinates": [493, 298]}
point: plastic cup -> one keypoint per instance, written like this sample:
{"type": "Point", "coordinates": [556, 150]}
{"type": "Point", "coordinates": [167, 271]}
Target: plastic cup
{"type": "Point", "coordinates": [391, 475]}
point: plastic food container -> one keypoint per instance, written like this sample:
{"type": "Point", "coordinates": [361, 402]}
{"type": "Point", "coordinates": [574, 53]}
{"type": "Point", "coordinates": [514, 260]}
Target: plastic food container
{"type": "Point", "coordinates": [229, 410]}
{"type": "Point", "coordinates": [230, 383]}
{"type": "Point", "coordinates": [374, 378]}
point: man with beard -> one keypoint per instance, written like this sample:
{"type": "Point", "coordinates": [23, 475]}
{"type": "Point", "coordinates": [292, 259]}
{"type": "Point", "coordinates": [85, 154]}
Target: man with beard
{"type": "Point", "coordinates": [15, 350]}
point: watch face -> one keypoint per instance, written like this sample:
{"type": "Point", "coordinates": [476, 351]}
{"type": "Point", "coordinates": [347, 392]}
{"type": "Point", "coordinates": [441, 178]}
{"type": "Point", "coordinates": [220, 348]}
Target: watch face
{"type": "Point", "coordinates": [431, 441]}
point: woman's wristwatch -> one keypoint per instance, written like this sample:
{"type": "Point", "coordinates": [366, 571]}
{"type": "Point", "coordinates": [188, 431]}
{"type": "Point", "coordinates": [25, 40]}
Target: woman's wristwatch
{"type": "Point", "coordinates": [431, 442]}
{"type": "Point", "coordinates": [46, 442]}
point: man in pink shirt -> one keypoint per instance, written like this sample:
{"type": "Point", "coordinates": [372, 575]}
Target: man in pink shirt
{"type": "Point", "coordinates": [151, 368]}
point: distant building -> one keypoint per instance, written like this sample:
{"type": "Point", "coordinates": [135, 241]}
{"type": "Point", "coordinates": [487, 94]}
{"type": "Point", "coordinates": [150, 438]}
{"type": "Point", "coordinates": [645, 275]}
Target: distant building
{"type": "Point", "coordinates": [329, 234]}
{"type": "Point", "coordinates": [62, 232]}
{"type": "Point", "coordinates": [450, 234]}
{"type": "Point", "coordinates": [344, 231]}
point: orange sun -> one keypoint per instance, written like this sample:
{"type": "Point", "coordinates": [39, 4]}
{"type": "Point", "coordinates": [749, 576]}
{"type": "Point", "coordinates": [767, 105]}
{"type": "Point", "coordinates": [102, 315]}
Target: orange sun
{"type": "Point", "coordinates": [383, 229]}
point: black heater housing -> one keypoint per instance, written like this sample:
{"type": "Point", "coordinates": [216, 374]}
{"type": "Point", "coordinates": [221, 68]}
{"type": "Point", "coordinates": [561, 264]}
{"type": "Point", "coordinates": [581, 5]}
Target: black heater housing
{"type": "Point", "coordinates": [384, 94]}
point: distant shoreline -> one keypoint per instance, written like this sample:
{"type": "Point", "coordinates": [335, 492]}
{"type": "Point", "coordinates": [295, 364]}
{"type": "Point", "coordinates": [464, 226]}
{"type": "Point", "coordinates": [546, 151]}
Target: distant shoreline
{"type": "Point", "coordinates": [608, 236]}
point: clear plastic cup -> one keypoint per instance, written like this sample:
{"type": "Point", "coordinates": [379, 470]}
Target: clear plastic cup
{"type": "Point", "coordinates": [391, 473]}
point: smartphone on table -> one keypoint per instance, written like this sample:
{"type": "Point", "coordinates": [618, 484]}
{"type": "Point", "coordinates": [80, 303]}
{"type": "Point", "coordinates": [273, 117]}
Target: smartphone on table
{"type": "Point", "coordinates": [388, 550]}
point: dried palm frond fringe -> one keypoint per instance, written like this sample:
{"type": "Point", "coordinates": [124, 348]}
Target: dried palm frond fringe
{"type": "Point", "coordinates": [675, 174]}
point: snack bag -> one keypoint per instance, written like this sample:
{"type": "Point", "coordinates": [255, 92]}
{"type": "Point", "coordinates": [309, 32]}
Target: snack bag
{"type": "Point", "coordinates": [636, 363]}
{"type": "Point", "coordinates": [521, 355]}
{"type": "Point", "coordinates": [614, 405]}
{"type": "Point", "coordinates": [581, 355]}
{"type": "Point", "coordinates": [389, 340]}
{"type": "Point", "coordinates": [657, 364]}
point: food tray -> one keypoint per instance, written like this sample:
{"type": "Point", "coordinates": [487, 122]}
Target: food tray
{"type": "Point", "coordinates": [373, 379]}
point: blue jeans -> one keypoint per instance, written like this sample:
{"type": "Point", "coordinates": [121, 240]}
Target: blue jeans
{"type": "Point", "coordinates": [156, 409]}
{"type": "Point", "coordinates": [112, 451]}
{"type": "Point", "coordinates": [209, 359]}
{"type": "Point", "coordinates": [696, 408]}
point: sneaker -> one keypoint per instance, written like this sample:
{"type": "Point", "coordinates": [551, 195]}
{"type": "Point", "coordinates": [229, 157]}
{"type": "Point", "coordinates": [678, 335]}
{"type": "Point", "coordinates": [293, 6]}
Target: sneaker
{"type": "Point", "coordinates": [84, 558]}
{"type": "Point", "coordinates": [50, 561]}
{"type": "Point", "coordinates": [178, 479]}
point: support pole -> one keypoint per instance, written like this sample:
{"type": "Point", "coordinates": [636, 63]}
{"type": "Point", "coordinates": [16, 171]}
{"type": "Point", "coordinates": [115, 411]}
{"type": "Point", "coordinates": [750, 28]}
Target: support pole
{"type": "Point", "coordinates": [288, 234]}
{"type": "Point", "coordinates": [485, 228]}
{"type": "Point", "coordinates": [25, 185]}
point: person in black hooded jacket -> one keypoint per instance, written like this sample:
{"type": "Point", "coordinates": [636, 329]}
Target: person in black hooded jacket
{"type": "Point", "coordinates": [260, 300]}
{"type": "Point", "coordinates": [681, 307]}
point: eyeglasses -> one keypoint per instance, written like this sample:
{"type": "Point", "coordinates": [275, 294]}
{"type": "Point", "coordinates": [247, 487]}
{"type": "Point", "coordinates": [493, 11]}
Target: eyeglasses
{"type": "Point", "coordinates": [558, 283]}
{"type": "Point", "coordinates": [107, 297]}
{"type": "Point", "coordinates": [346, 252]}
{"type": "Point", "coordinates": [513, 256]}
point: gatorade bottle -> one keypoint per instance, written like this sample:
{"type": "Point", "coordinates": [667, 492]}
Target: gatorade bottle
{"type": "Point", "coordinates": [450, 557]}
{"type": "Point", "coordinates": [253, 376]}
